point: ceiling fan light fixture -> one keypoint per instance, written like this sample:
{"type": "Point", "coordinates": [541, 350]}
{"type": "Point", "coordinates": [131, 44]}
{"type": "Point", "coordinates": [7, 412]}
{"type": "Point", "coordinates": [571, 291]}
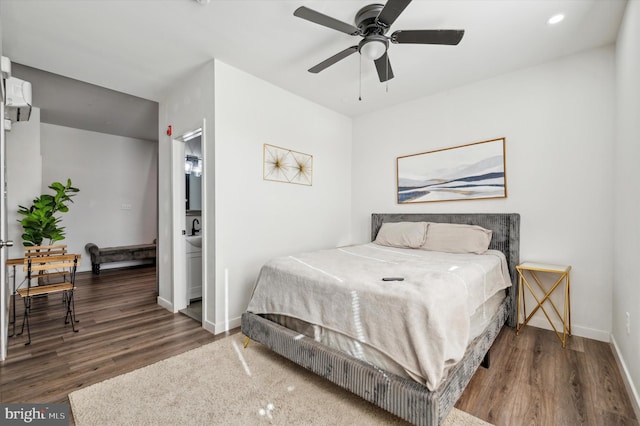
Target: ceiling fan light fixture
{"type": "Point", "coordinates": [373, 48]}
{"type": "Point", "coordinates": [372, 22]}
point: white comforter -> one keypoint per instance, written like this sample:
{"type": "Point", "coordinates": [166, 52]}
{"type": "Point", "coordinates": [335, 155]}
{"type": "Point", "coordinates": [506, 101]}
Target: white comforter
{"type": "Point", "coordinates": [422, 322]}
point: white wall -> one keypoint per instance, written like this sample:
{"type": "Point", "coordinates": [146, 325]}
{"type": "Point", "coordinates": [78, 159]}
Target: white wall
{"type": "Point", "coordinates": [626, 291]}
{"type": "Point", "coordinates": [24, 175]}
{"type": "Point", "coordinates": [257, 219]}
{"type": "Point", "coordinates": [24, 180]}
{"type": "Point", "coordinates": [558, 120]}
{"type": "Point", "coordinates": [184, 107]}
{"type": "Point", "coordinates": [114, 170]}
{"type": "Point", "coordinates": [110, 171]}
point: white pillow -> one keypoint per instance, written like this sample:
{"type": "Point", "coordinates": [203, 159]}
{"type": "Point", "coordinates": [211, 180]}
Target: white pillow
{"type": "Point", "coordinates": [402, 234]}
{"type": "Point", "coordinates": [457, 238]}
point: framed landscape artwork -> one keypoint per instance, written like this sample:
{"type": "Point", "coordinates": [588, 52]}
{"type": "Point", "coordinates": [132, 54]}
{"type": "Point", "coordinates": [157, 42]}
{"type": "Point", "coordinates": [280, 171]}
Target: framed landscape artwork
{"type": "Point", "coordinates": [466, 172]}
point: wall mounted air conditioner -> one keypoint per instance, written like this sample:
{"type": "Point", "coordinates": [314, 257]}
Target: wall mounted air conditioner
{"type": "Point", "coordinates": [5, 67]}
{"type": "Point", "coordinates": [18, 99]}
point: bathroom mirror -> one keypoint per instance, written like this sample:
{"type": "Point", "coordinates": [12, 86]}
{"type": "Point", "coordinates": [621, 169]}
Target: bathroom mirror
{"type": "Point", "coordinates": [193, 173]}
{"type": "Point", "coordinates": [193, 193]}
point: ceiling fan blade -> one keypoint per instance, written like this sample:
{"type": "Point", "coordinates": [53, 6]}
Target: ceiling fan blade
{"type": "Point", "coordinates": [324, 20]}
{"type": "Point", "coordinates": [450, 37]}
{"type": "Point", "coordinates": [384, 68]}
{"type": "Point", "coordinates": [332, 60]}
{"type": "Point", "coordinates": [391, 11]}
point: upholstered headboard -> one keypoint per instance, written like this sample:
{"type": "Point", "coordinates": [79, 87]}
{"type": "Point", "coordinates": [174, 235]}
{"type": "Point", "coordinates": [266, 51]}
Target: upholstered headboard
{"type": "Point", "coordinates": [506, 237]}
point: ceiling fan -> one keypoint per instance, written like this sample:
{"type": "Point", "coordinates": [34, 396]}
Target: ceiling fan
{"type": "Point", "coordinates": [372, 23]}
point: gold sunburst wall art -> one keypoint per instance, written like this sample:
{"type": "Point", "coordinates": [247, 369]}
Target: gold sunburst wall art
{"type": "Point", "coordinates": [285, 165]}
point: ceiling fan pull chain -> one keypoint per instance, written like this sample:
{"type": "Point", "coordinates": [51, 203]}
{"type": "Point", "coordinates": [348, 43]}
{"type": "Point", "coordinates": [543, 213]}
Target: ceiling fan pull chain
{"type": "Point", "coordinates": [360, 81]}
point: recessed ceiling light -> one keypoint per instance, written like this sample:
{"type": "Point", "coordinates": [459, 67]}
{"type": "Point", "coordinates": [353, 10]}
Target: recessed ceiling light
{"type": "Point", "coordinates": [555, 19]}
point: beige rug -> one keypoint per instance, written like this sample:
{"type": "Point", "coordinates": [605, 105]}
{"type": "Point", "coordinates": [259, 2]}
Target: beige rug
{"type": "Point", "coordinates": [224, 384]}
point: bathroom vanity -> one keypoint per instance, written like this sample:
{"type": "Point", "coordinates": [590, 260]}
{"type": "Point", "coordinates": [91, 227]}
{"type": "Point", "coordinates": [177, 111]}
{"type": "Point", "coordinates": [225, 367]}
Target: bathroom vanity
{"type": "Point", "coordinates": [194, 267]}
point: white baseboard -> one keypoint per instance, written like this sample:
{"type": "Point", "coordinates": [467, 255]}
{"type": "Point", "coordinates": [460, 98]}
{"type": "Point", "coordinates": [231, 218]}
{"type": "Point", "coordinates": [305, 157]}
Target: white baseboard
{"type": "Point", "coordinates": [576, 330]}
{"type": "Point", "coordinates": [227, 325]}
{"type": "Point", "coordinates": [209, 326]}
{"type": "Point", "coordinates": [626, 377]}
{"type": "Point", "coordinates": [165, 304]}
{"type": "Point", "coordinates": [221, 327]}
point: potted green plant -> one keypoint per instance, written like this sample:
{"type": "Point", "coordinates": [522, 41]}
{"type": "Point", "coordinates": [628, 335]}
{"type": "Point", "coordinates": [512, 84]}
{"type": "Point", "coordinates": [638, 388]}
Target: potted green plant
{"type": "Point", "coordinates": [40, 222]}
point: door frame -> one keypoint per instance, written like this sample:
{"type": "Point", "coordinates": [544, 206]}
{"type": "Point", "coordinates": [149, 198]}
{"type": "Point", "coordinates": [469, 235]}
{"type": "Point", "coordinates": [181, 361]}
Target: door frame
{"type": "Point", "coordinates": [179, 286]}
{"type": "Point", "coordinates": [178, 227]}
{"type": "Point", "coordinates": [4, 283]}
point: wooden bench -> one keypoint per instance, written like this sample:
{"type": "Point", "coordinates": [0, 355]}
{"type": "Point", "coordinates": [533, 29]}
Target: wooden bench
{"type": "Point", "coordinates": [120, 254]}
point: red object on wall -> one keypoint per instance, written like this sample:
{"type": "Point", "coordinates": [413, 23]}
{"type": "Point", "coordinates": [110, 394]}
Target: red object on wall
{"type": "Point", "coordinates": [169, 131]}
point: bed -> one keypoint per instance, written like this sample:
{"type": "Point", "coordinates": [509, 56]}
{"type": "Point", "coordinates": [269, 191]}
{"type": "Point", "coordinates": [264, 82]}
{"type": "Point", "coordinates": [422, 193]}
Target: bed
{"type": "Point", "coordinates": [395, 392]}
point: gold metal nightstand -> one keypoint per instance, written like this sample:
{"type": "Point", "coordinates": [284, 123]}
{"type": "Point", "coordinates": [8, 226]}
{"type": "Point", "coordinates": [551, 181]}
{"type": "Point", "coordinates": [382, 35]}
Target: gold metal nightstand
{"type": "Point", "coordinates": [563, 273]}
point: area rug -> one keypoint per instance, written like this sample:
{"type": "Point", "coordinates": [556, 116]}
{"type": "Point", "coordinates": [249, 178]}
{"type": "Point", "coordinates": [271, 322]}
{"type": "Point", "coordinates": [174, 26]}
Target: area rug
{"type": "Point", "coordinates": [223, 383]}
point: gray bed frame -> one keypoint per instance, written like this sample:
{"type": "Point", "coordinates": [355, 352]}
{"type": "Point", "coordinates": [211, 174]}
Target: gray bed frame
{"type": "Point", "coordinates": [403, 397]}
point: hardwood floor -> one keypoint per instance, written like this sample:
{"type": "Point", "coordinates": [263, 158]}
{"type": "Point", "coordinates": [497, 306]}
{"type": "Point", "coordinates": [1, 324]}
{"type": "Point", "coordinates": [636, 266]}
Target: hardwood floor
{"type": "Point", "coordinates": [121, 329]}
{"type": "Point", "coordinates": [532, 380]}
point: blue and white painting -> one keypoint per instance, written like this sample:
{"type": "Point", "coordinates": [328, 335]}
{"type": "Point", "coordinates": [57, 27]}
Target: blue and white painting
{"type": "Point", "coordinates": [464, 172]}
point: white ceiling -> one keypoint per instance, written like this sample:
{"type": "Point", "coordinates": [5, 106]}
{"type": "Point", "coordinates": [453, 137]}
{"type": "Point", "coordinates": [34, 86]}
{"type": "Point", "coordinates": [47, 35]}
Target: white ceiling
{"type": "Point", "coordinates": [141, 47]}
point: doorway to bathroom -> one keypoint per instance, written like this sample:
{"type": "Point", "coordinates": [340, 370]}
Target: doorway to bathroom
{"type": "Point", "coordinates": [189, 210]}
{"type": "Point", "coordinates": [193, 215]}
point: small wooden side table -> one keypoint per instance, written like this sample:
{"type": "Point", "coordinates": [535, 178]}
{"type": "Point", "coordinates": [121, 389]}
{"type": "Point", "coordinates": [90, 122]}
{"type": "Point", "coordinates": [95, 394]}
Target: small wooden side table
{"type": "Point", "coordinates": [563, 272]}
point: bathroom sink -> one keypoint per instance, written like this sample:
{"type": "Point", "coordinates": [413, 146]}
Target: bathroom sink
{"type": "Point", "coordinates": [195, 240]}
